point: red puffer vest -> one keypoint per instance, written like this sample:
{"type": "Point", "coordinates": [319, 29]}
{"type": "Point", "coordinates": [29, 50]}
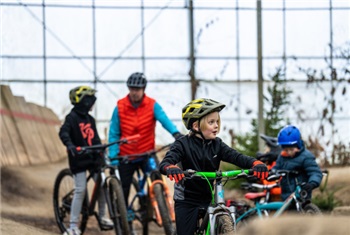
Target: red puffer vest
{"type": "Point", "coordinates": [137, 121]}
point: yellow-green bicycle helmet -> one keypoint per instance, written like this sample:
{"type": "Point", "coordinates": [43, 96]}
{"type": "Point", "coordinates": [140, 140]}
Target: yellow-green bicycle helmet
{"type": "Point", "coordinates": [78, 93]}
{"type": "Point", "coordinates": [198, 108]}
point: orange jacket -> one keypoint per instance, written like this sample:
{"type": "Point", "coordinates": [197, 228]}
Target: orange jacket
{"type": "Point", "coordinates": [274, 191]}
{"type": "Point", "coordinates": [137, 121]}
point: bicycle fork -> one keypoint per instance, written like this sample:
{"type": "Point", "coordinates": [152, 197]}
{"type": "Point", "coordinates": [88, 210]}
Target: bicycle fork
{"type": "Point", "coordinates": [168, 198]}
{"type": "Point", "coordinates": [219, 199]}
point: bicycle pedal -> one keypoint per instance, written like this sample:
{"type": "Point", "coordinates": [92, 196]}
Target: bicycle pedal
{"type": "Point", "coordinates": [106, 227]}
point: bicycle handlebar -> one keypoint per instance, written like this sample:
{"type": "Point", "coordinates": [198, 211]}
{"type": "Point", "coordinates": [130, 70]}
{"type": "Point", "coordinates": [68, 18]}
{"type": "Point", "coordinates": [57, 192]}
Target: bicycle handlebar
{"type": "Point", "coordinates": [218, 174]}
{"type": "Point", "coordinates": [283, 172]}
{"type": "Point", "coordinates": [104, 146]}
{"type": "Point", "coordinates": [251, 186]}
{"type": "Point", "coordinates": [135, 156]}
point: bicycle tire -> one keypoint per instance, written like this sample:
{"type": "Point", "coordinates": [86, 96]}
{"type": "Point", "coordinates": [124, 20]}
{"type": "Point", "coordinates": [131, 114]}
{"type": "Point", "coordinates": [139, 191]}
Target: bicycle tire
{"type": "Point", "coordinates": [224, 225]}
{"type": "Point", "coordinates": [141, 208]}
{"type": "Point", "coordinates": [311, 209]}
{"type": "Point", "coordinates": [163, 209]}
{"type": "Point", "coordinates": [120, 220]}
{"type": "Point", "coordinates": [243, 222]}
{"type": "Point", "coordinates": [62, 198]}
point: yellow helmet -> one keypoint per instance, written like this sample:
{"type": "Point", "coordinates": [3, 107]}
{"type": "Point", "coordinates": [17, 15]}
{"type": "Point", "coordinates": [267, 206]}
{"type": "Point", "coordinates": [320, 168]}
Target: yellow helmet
{"type": "Point", "coordinates": [197, 109]}
{"type": "Point", "coordinates": [78, 93]}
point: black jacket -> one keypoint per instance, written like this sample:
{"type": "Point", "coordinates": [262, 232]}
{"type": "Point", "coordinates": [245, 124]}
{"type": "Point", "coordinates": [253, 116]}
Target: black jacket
{"type": "Point", "coordinates": [79, 129]}
{"type": "Point", "coordinates": [192, 152]}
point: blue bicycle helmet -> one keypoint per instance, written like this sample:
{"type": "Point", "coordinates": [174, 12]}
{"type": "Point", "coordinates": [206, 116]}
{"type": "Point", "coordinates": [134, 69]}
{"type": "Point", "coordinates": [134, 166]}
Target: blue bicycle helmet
{"type": "Point", "coordinates": [289, 136]}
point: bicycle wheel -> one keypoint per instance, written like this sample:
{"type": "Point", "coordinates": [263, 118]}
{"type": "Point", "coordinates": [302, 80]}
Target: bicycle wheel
{"type": "Point", "coordinates": [224, 225]}
{"type": "Point", "coordinates": [139, 208]}
{"type": "Point", "coordinates": [242, 222]}
{"type": "Point", "coordinates": [311, 209]}
{"type": "Point", "coordinates": [163, 209]}
{"type": "Point", "coordinates": [118, 206]}
{"type": "Point", "coordinates": [62, 199]}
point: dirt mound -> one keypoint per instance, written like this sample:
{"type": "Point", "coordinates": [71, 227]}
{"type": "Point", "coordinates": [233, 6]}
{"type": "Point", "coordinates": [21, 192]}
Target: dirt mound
{"type": "Point", "coordinates": [8, 226]}
{"type": "Point", "coordinates": [15, 189]}
{"type": "Point", "coordinates": [26, 198]}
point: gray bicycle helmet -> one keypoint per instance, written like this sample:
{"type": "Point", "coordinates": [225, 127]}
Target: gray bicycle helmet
{"type": "Point", "coordinates": [137, 80]}
{"type": "Point", "coordinates": [197, 109]}
{"type": "Point", "coordinates": [270, 141]}
{"type": "Point", "coordinates": [78, 93]}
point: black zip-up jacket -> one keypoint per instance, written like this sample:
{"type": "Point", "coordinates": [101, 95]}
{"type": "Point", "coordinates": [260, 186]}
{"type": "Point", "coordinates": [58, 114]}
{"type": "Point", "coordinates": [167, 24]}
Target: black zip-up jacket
{"type": "Point", "coordinates": [79, 129]}
{"type": "Point", "coordinates": [191, 152]}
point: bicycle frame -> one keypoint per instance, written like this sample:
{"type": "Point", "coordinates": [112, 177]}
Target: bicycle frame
{"type": "Point", "coordinates": [146, 178]}
{"type": "Point", "coordinates": [217, 206]}
{"type": "Point", "coordinates": [279, 207]}
{"type": "Point", "coordinates": [101, 179]}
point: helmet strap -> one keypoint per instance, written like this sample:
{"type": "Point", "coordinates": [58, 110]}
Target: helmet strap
{"type": "Point", "coordinates": [199, 130]}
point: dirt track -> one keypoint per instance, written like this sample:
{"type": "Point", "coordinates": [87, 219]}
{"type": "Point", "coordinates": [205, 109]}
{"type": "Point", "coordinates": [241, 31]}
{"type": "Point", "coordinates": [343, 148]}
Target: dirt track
{"type": "Point", "coordinates": [26, 199]}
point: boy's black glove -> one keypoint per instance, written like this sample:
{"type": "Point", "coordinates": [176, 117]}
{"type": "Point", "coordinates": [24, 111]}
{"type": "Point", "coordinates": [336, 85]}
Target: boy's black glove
{"type": "Point", "coordinates": [174, 172]}
{"type": "Point", "coordinates": [73, 150]}
{"type": "Point", "coordinates": [177, 135]}
{"type": "Point", "coordinates": [260, 170]}
{"type": "Point", "coordinates": [309, 186]}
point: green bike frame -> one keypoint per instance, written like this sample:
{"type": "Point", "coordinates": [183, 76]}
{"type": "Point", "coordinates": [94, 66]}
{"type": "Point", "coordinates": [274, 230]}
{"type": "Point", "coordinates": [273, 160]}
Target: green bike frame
{"type": "Point", "coordinates": [218, 192]}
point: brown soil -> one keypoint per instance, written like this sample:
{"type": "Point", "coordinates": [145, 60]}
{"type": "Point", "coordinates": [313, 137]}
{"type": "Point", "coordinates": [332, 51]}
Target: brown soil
{"type": "Point", "coordinates": [26, 199]}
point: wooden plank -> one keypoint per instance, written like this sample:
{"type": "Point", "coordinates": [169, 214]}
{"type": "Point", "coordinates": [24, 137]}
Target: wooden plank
{"type": "Point", "coordinates": [12, 132]}
{"type": "Point", "coordinates": [54, 130]}
{"type": "Point", "coordinates": [8, 153]}
{"type": "Point", "coordinates": [36, 143]}
{"type": "Point", "coordinates": [52, 126]}
{"type": "Point", "coordinates": [42, 126]}
{"type": "Point", "coordinates": [57, 147]}
{"type": "Point", "coordinates": [23, 126]}
{"type": "Point", "coordinates": [3, 159]}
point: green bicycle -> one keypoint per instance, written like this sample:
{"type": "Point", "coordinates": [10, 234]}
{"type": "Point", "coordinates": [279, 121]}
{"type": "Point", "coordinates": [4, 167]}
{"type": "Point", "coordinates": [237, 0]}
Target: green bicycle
{"type": "Point", "coordinates": [217, 218]}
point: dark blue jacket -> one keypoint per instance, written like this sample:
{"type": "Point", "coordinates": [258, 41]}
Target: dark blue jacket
{"type": "Point", "coordinates": [305, 163]}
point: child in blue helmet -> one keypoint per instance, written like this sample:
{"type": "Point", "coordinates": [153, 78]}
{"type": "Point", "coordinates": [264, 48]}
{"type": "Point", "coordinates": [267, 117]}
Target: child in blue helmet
{"type": "Point", "coordinates": [295, 157]}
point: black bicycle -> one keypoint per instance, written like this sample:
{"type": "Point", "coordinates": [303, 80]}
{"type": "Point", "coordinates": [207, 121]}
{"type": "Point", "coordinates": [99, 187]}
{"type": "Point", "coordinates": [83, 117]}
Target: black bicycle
{"type": "Point", "coordinates": [111, 184]}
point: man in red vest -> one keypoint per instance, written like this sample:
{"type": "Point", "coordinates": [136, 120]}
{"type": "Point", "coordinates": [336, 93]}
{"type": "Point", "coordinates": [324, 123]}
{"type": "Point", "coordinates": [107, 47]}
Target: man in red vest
{"type": "Point", "coordinates": [136, 114]}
